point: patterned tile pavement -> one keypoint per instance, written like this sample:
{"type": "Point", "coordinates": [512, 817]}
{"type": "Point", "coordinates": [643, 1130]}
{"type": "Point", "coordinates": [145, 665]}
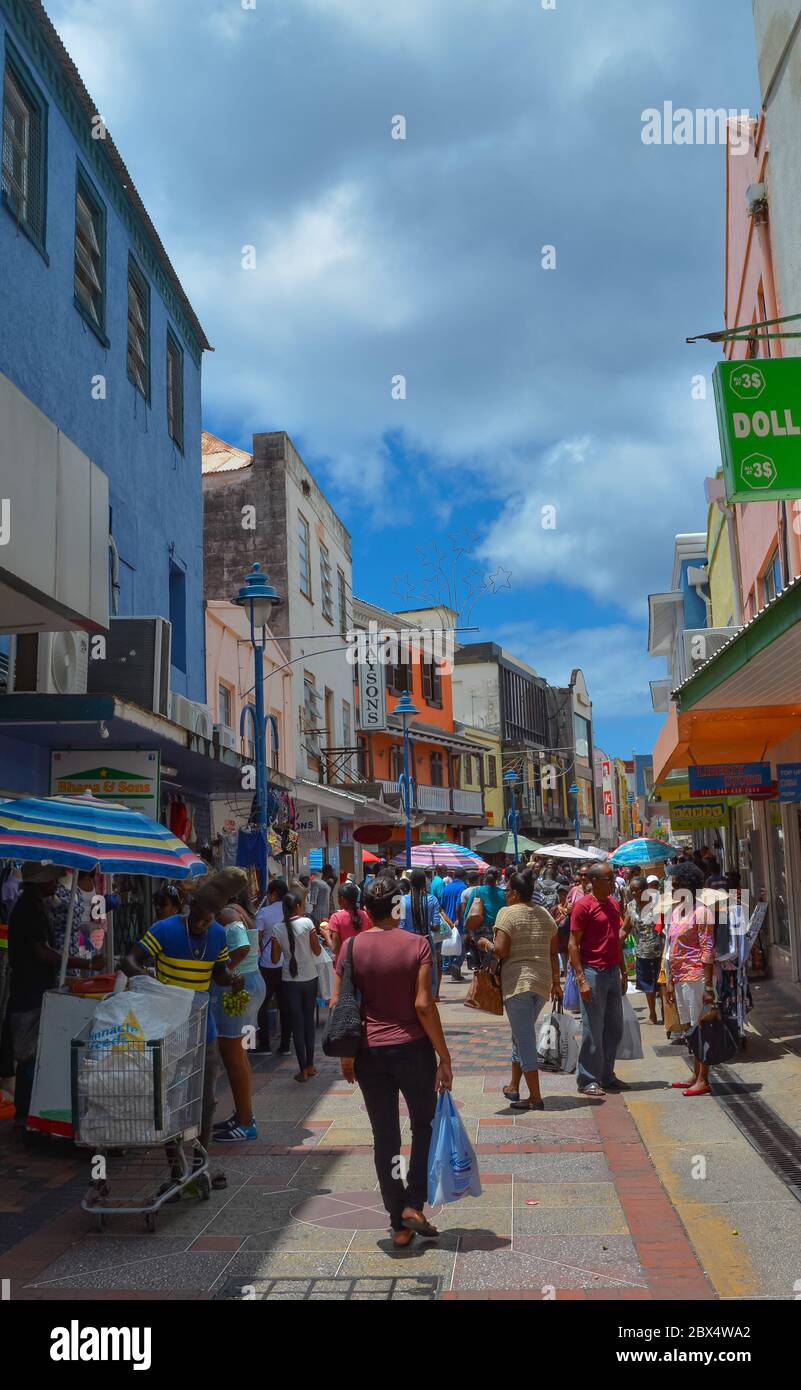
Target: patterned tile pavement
{"type": "Point", "coordinates": [579, 1201]}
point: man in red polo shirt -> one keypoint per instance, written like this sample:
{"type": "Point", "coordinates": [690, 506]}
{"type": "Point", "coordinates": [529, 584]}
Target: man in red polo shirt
{"type": "Point", "coordinates": [596, 955]}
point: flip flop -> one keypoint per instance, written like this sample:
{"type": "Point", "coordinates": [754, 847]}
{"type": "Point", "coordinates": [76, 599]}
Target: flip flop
{"type": "Point", "coordinates": [527, 1105]}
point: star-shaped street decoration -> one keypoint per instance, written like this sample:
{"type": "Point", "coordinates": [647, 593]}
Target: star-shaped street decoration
{"type": "Point", "coordinates": [501, 579]}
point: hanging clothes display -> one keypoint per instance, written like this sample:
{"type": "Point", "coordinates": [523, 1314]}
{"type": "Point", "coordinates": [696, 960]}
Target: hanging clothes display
{"type": "Point", "coordinates": [251, 851]}
{"type": "Point", "coordinates": [179, 821]}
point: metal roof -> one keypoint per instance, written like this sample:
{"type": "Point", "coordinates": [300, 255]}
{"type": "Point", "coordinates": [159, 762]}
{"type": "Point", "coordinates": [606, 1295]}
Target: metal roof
{"type": "Point", "coordinates": [219, 457]}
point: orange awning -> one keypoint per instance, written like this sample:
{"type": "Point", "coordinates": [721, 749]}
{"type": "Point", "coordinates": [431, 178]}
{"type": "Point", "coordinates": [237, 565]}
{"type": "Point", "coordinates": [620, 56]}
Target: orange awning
{"type": "Point", "coordinates": [721, 736]}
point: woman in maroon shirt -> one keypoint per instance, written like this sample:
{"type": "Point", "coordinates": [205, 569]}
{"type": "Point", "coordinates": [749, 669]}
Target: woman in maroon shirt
{"type": "Point", "coordinates": [401, 1040]}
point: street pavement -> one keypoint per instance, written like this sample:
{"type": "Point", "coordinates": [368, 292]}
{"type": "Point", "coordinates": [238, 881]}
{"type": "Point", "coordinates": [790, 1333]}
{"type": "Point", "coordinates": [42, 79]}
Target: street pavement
{"type": "Point", "coordinates": [646, 1196]}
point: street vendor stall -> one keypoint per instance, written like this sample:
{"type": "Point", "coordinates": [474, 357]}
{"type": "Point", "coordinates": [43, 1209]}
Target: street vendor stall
{"type": "Point", "coordinates": [80, 833]}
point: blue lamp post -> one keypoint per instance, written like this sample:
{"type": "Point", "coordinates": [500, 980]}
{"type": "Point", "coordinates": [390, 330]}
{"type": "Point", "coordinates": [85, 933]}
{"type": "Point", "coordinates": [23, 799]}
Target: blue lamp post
{"type": "Point", "coordinates": [510, 778]}
{"type": "Point", "coordinates": [259, 597]}
{"type": "Point", "coordinates": [574, 792]}
{"type": "Point", "coordinates": [407, 710]}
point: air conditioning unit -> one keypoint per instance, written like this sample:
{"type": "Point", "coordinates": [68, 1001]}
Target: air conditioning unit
{"type": "Point", "coordinates": [49, 663]}
{"type": "Point", "coordinates": [202, 721]}
{"type": "Point", "coordinates": [225, 737]}
{"type": "Point", "coordinates": [181, 711]}
{"type": "Point", "coordinates": [136, 666]}
{"type": "Point", "coordinates": [701, 643]}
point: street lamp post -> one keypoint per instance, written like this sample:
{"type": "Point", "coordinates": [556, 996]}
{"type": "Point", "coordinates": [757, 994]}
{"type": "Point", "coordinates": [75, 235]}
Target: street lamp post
{"type": "Point", "coordinates": [259, 597]}
{"type": "Point", "coordinates": [574, 792]}
{"type": "Point", "coordinates": [510, 778]}
{"type": "Point", "coordinates": [407, 710]}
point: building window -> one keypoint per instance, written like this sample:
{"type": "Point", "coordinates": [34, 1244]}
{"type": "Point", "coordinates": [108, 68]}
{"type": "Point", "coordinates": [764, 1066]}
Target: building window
{"type": "Point", "coordinates": [224, 705]}
{"type": "Point", "coordinates": [581, 733]}
{"type": "Point", "coordinates": [90, 257]}
{"type": "Point", "coordinates": [138, 329]}
{"type": "Point", "coordinates": [178, 616]}
{"type": "Point", "coordinates": [772, 578]}
{"type": "Point", "coordinates": [24, 178]}
{"type": "Point", "coordinates": [399, 677]}
{"type": "Point", "coordinates": [492, 770]}
{"type": "Point", "coordinates": [395, 762]}
{"type": "Point", "coordinates": [363, 758]}
{"type": "Point", "coordinates": [175, 391]}
{"type": "Point", "coordinates": [347, 738]}
{"type": "Point", "coordinates": [342, 600]}
{"type": "Point", "coordinates": [311, 716]}
{"type": "Point", "coordinates": [326, 585]}
{"type": "Point", "coordinates": [432, 682]}
{"type": "Point", "coordinates": [435, 766]}
{"type": "Point", "coordinates": [303, 556]}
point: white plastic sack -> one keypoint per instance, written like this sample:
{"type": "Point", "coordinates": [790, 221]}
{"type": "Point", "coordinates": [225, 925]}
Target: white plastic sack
{"type": "Point", "coordinates": [558, 1042]}
{"type": "Point", "coordinates": [146, 1011]}
{"type": "Point", "coordinates": [452, 946]}
{"type": "Point", "coordinates": [325, 974]}
{"type": "Point", "coordinates": [630, 1047]}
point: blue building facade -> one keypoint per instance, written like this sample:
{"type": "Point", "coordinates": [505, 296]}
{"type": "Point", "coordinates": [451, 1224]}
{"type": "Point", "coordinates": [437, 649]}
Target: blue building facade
{"type": "Point", "coordinates": [97, 332]}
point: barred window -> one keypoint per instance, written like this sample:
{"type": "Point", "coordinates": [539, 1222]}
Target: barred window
{"type": "Point", "coordinates": [23, 176]}
{"type": "Point", "coordinates": [90, 270]}
{"type": "Point", "coordinates": [138, 330]}
{"type": "Point", "coordinates": [175, 391]}
{"type": "Point", "coordinates": [303, 556]}
{"type": "Point", "coordinates": [326, 585]}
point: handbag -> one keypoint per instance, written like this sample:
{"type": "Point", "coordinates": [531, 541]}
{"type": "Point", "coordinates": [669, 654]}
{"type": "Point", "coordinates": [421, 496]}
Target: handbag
{"type": "Point", "coordinates": [485, 990]}
{"type": "Point", "coordinates": [343, 1030]}
{"type": "Point", "coordinates": [324, 966]}
{"type": "Point", "coordinates": [713, 1040]}
{"type": "Point", "coordinates": [629, 1048]}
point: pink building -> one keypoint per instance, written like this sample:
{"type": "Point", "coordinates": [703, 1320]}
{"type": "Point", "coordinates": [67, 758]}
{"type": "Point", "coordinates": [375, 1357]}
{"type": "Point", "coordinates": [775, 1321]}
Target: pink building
{"type": "Point", "coordinates": [769, 548]}
{"type": "Point", "coordinates": [229, 685]}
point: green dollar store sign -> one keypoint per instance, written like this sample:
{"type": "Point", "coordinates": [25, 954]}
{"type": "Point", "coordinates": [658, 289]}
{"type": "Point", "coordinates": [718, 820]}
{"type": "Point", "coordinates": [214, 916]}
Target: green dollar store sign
{"type": "Point", "coordinates": [759, 421]}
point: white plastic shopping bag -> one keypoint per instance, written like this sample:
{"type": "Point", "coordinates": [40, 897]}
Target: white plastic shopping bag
{"type": "Point", "coordinates": [453, 945]}
{"type": "Point", "coordinates": [452, 1167]}
{"type": "Point", "coordinates": [558, 1041]}
{"type": "Point", "coordinates": [147, 1010]}
{"type": "Point", "coordinates": [630, 1047]}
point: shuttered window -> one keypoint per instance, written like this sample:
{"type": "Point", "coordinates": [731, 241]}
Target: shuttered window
{"type": "Point", "coordinates": [24, 153]}
{"type": "Point", "coordinates": [90, 259]}
{"type": "Point", "coordinates": [138, 329]}
{"type": "Point", "coordinates": [175, 391]}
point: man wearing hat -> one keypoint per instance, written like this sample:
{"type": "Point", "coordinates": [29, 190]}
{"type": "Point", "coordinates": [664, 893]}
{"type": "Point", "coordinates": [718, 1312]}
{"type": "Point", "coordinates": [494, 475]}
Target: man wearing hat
{"type": "Point", "coordinates": [34, 965]}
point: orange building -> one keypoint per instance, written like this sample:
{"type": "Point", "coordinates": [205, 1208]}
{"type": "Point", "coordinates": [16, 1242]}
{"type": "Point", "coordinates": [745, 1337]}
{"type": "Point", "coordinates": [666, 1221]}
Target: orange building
{"type": "Point", "coordinates": [441, 759]}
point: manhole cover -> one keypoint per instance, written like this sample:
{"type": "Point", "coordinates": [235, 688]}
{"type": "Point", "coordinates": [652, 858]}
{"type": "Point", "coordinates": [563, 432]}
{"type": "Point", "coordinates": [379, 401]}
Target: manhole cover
{"type": "Point", "coordinates": [368, 1290]}
{"type": "Point", "coordinates": [347, 1211]}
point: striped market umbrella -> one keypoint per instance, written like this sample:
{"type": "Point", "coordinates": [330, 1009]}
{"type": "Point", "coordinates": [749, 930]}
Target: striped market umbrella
{"type": "Point", "coordinates": [80, 832]}
{"type": "Point", "coordinates": [642, 852]}
{"type": "Point", "coordinates": [449, 856]}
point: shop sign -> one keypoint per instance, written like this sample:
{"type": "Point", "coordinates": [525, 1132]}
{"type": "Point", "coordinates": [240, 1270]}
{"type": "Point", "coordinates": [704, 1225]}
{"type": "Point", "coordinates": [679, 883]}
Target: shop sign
{"type": "Point", "coordinates": [127, 776]}
{"type": "Point", "coordinates": [686, 816]}
{"type": "Point", "coordinates": [307, 824]}
{"type": "Point", "coordinates": [759, 423]}
{"type": "Point", "coordinates": [372, 692]}
{"type": "Point", "coordinates": [788, 778]}
{"type": "Point", "coordinates": [729, 779]}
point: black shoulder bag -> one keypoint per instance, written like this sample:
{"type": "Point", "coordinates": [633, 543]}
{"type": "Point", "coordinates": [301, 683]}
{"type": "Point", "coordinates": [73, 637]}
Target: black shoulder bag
{"type": "Point", "coordinates": [343, 1031]}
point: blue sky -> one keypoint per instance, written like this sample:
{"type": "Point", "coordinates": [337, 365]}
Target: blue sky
{"type": "Point", "coordinates": [527, 388]}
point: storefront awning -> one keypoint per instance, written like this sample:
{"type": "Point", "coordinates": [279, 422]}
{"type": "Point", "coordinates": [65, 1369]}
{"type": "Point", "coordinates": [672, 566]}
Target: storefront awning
{"type": "Point", "coordinates": [721, 736]}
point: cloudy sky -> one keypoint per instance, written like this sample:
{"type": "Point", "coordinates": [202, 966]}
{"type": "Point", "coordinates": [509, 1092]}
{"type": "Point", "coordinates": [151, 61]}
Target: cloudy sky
{"type": "Point", "coordinates": [548, 424]}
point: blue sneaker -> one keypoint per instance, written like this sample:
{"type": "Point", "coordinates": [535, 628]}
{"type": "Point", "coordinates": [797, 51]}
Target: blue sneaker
{"type": "Point", "coordinates": [234, 1133]}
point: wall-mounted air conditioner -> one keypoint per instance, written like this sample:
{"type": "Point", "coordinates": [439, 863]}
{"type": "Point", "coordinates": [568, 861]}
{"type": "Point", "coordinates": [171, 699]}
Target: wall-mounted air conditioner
{"type": "Point", "coordinates": [49, 663]}
{"type": "Point", "coordinates": [136, 666]}
{"type": "Point", "coordinates": [202, 721]}
{"type": "Point", "coordinates": [181, 710]}
{"type": "Point", "coordinates": [225, 737]}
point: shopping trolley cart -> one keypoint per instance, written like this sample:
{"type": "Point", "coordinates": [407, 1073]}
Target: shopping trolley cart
{"type": "Point", "coordinates": [145, 1096]}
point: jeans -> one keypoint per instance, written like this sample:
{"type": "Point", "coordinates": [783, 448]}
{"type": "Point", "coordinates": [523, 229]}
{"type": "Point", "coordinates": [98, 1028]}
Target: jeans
{"type": "Point", "coordinates": [602, 1027]}
{"type": "Point", "coordinates": [384, 1073]}
{"type": "Point", "coordinates": [301, 997]}
{"type": "Point", "coordinates": [522, 1011]}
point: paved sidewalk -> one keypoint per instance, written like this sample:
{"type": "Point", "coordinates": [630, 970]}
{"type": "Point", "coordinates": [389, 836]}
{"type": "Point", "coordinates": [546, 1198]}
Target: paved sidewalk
{"type": "Point", "coordinates": [580, 1201]}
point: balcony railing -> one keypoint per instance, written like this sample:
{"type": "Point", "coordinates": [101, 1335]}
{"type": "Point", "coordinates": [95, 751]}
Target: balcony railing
{"type": "Point", "coordinates": [461, 803]}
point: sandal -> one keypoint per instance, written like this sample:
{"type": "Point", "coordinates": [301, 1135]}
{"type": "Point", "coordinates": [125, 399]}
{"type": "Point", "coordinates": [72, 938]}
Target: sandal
{"type": "Point", "coordinates": [401, 1240]}
{"type": "Point", "coordinates": [219, 1181]}
{"type": "Point", "coordinates": [510, 1093]}
{"type": "Point", "coordinates": [527, 1104]}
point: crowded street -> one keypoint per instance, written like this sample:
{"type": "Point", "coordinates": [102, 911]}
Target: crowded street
{"type": "Point", "coordinates": [400, 672]}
